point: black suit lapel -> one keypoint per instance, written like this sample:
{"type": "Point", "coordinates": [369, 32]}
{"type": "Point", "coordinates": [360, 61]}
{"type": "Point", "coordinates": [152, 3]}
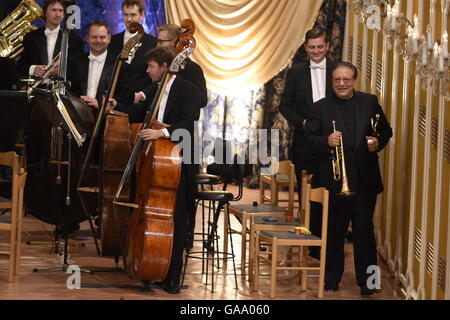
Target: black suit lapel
{"type": "Point", "coordinates": [329, 80]}
{"type": "Point", "coordinates": [42, 44]}
{"type": "Point", "coordinates": [57, 48]}
{"type": "Point", "coordinates": [171, 101]}
{"type": "Point", "coordinates": [306, 81]}
{"type": "Point", "coordinates": [84, 72]}
{"type": "Point", "coordinates": [106, 76]}
{"type": "Point", "coordinates": [361, 118]}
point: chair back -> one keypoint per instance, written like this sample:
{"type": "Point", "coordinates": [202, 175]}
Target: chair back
{"type": "Point", "coordinates": [320, 195]}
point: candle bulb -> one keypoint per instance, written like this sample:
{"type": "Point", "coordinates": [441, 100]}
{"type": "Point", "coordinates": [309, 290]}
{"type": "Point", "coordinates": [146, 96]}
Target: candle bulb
{"type": "Point", "coordinates": [435, 54]}
{"type": "Point", "coordinates": [430, 37]}
{"type": "Point", "coordinates": [441, 60]}
{"type": "Point", "coordinates": [389, 16]}
{"type": "Point", "coordinates": [424, 51]}
{"type": "Point", "coordinates": [415, 42]}
{"type": "Point", "coordinates": [445, 44]}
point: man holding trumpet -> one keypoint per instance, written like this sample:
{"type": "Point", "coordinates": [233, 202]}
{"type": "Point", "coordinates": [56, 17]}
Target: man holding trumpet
{"type": "Point", "coordinates": [352, 126]}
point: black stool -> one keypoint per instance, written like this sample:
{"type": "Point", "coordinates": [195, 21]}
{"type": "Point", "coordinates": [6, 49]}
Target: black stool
{"type": "Point", "coordinates": [210, 249]}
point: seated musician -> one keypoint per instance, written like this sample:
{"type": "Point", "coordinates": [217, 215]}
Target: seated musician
{"type": "Point", "coordinates": [44, 44]}
{"type": "Point", "coordinates": [177, 109]}
{"type": "Point", "coordinates": [90, 73]}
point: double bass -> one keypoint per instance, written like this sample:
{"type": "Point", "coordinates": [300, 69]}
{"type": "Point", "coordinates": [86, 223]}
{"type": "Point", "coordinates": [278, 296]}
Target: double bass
{"type": "Point", "coordinates": [115, 150]}
{"type": "Point", "coordinates": [150, 231]}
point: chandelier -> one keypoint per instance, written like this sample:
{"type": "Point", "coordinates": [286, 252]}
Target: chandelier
{"type": "Point", "coordinates": [431, 58]}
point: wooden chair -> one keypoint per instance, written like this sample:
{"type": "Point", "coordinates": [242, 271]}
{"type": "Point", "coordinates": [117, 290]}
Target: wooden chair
{"type": "Point", "coordinates": [13, 222]}
{"type": "Point", "coordinates": [285, 177]}
{"type": "Point", "coordinates": [258, 222]}
{"type": "Point", "coordinates": [306, 179]}
{"type": "Point", "coordinates": [277, 239]}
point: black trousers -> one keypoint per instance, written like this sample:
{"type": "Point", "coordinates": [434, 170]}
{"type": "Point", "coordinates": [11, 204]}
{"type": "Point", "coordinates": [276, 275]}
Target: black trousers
{"type": "Point", "coordinates": [359, 210]}
{"type": "Point", "coordinates": [183, 206]}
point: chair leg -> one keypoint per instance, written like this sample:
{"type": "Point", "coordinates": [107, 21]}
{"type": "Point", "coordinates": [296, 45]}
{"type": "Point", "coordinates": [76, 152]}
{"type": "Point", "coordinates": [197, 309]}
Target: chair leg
{"type": "Point", "coordinates": [305, 272]}
{"type": "Point", "coordinates": [273, 272]}
{"type": "Point", "coordinates": [244, 242]}
{"type": "Point", "coordinates": [232, 249]}
{"type": "Point", "coordinates": [257, 259]}
{"type": "Point", "coordinates": [251, 253]}
{"type": "Point", "coordinates": [322, 271]}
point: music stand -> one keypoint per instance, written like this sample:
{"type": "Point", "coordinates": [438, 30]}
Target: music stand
{"type": "Point", "coordinates": [71, 115]}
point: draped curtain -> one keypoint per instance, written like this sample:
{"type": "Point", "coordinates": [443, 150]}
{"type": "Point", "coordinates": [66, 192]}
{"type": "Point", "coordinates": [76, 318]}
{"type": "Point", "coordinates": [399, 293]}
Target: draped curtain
{"type": "Point", "coordinates": [241, 44]}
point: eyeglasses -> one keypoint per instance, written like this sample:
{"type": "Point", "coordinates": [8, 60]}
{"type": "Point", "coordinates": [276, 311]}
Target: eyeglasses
{"type": "Point", "coordinates": [338, 80]}
{"type": "Point", "coordinates": [162, 41]}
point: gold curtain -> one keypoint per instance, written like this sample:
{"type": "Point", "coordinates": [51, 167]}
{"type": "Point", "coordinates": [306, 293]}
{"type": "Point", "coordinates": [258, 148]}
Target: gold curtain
{"type": "Point", "coordinates": [242, 44]}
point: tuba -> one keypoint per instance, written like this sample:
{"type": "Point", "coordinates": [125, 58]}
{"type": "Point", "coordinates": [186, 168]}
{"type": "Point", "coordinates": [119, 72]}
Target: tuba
{"type": "Point", "coordinates": [338, 164]}
{"type": "Point", "coordinates": [16, 25]}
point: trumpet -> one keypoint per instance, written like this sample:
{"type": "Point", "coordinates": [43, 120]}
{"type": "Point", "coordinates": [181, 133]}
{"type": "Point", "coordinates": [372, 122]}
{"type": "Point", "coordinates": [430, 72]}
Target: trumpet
{"type": "Point", "coordinates": [338, 164]}
{"type": "Point", "coordinates": [374, 125]}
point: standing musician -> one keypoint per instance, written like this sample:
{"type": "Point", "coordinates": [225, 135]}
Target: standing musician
{"type": "Point", "coordinates": [90, 73]}
{"type": "Point", "coordinates": [44, 44]}
{"type": "Point", "coordinates": [177, 109]}
{"type": "Point", "coordinates": [306, 84]}
{"type": "Point", "coordinates": [352, 112]}
{"type": "Point", "coordinates": [133, 11]}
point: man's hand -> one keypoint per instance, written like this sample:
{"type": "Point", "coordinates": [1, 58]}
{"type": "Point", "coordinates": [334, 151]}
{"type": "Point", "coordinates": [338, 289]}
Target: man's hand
{"type": "Point", "coordinates": [90, 101]}
{"type": "Point", "coordinates": [40, 70]}
{"type": "Point", "coordinates": [150, 134]}
{"type": "Point", "coordinates": [55, 70]}
{"type": "Point", "coordinates": [138, 97]}
{"type": "Point", "coordinates": [372, 144]}
{"type": "Point", "coordinates": [334, 139]}
{"type": "Point", "coordinates": [304, 124]}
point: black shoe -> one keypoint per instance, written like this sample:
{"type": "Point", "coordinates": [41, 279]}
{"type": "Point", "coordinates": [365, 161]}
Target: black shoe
{"type": "Point", "coordinates": [331, 288]}
{"type": "Point", "coordinates": [366, 291]}
{"type": "Point", "coordinates": [349, 236]}
{"type": "Point", "coordinates": [172, 286]}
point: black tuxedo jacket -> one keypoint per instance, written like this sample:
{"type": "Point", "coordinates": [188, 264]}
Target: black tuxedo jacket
{"type": "Point", "coordinates": [361, 165]}
{"type": "Point", "coordinates": [194, 74]}
{"type": "Point", "coordinates": [180, 111]}
{"type": "Point", "coordinates": [138, 67]}
{"type": "Point", "coordinates": [297, 98]}
{"type": "Point", "coordinates": [78, 71]}
{"type": "Point", "coordinates": [35, 49]}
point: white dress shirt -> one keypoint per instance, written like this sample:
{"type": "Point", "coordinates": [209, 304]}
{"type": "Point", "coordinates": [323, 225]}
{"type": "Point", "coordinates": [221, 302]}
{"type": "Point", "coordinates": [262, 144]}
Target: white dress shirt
{"type": "Point", "coordinates": [318, 79]}
{"type": "Point", "coordinates": [163, 104]}
{"type": "Point", "coordinates": [96, 64]}
{"type": "Point", "coordinates": [52, 36]}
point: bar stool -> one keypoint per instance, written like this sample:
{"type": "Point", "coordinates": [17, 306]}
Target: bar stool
{"type": "Point", "coordinates": [210, 246]}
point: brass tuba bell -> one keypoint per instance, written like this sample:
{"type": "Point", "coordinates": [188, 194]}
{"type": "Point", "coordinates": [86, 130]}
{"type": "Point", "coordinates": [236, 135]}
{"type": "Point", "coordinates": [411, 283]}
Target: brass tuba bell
{"type": "Point", "coordinates": [16, 25]}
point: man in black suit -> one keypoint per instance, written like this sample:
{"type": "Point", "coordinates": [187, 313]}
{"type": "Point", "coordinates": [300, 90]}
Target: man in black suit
{"type": "Point", "coordinates": [43, 44]}
{"type": "Point", "coordinates": [167, 35]}
{"type": "Point", "coordinates": [133, 11]}
{"type": "Point", "coordinates": [352, 112]}
{"type": "Point", "coordinates": [306, 84]}
{"type": "Point", "coordinates": [177, 109]}
{"type": "Point", "coordinates": [91, 73]}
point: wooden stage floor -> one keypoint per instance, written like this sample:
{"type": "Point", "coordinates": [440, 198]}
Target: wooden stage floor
{"type": "Point", "coordinates": [52, 285]}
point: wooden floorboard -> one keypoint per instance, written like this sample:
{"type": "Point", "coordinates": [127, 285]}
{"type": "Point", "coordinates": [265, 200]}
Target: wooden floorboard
{"type": "Point", "coordinates": [52, 285]}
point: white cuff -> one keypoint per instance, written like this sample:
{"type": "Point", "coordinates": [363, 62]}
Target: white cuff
{"type": "Point", "coordinates": [31, 71]}
{"type": "Point", "coordinates": [166, 133]}
{"type": "Point", "coordinates": [143, 95]}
